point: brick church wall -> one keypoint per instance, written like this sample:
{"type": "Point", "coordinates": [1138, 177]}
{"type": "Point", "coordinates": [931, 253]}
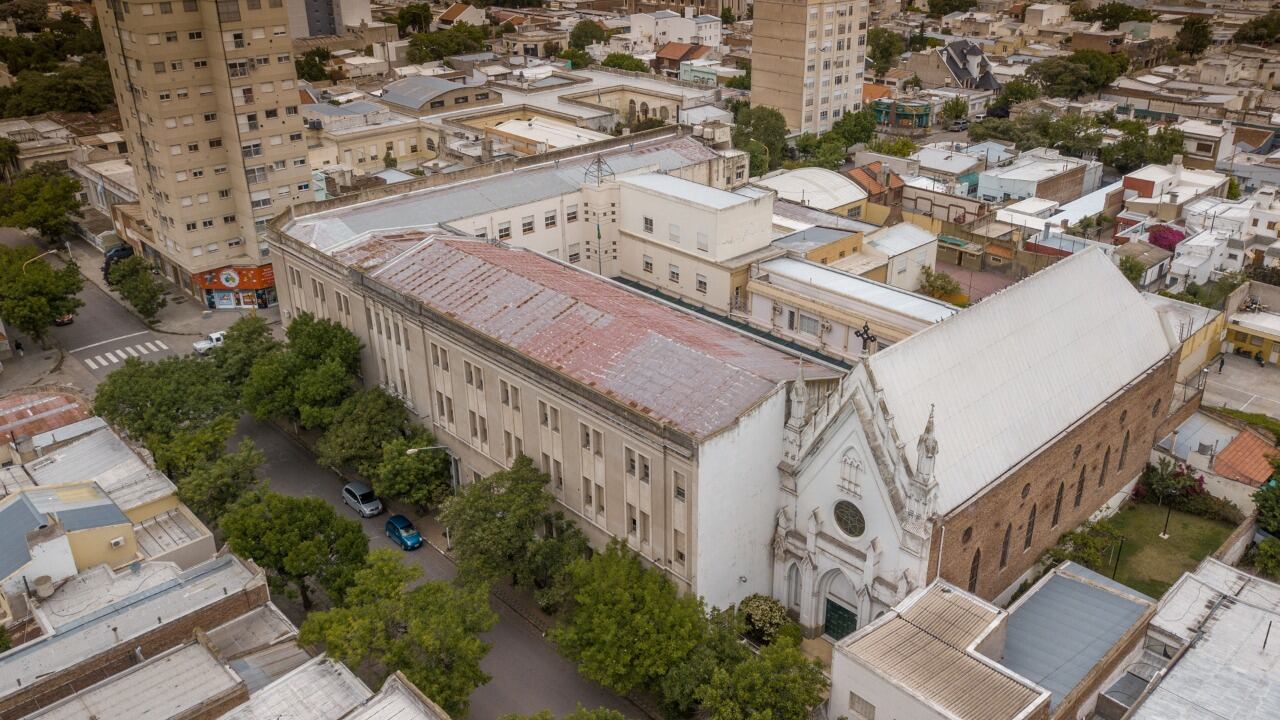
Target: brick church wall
{"type": "Point", "coordinates": [979, 527]}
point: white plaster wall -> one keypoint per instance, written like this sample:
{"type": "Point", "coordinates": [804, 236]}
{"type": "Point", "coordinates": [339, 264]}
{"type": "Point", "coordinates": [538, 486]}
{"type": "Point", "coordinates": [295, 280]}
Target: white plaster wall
{"type": "Point", "coordinates": [993, 188]}
{"type": "Point", "coordinates": [730, 232]}
{"type": "Point", "coordinates": [52, 557]}
{"type": "Point", "coordinates": [738, 487]}
{"type": "Point", "coordinates": [554, 241]}
{"type": "Point", "coordinates": [890, 701]}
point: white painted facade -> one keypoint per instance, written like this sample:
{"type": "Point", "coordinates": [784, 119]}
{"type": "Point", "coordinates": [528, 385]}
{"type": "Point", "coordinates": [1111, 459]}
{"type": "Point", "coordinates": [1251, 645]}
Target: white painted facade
{"type": "Point", "coordinates": [49, 556]}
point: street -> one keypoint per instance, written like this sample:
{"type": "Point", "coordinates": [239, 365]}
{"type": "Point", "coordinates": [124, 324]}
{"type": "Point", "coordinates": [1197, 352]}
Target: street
{"type": "Point", "coordinates": [104, 334]}
{"type": "Point", "coordinates": [528, 674]}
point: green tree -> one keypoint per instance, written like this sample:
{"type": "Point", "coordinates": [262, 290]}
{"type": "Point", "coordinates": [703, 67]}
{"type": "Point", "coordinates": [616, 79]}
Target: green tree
{"type": "Point", "coordinates": [628, 627]}
{"type": "Point", "coordinates": [918, 41]}
{"type": "Point", "coordinates": [1111, 14]}
{"type": "Point", "coordinates": [9, 151]}
{"type": "Point", "coordinates": [413, 18]}
{"type": "Point", "coordinates": [1014, 92]}
{"type": "Point", "coordinates": [883, 48]}
{"type": "Point", "coordinates": [83, 87]}
{"type": "Point", "coordinates": [457, 39]}
{"type": "Point", "coordinates": [578, 59]}
{"type": "Point", "coordinates": [623, 61]}
{"type": "Point", "coordinates": [957, 108]}
{"type": "Point", "coordinates": [1267, 500]}
{"type": "Point", "coordinates": [422, 479]}
{"type": "Point", "coordinates": [1138, 148]}
{"type": "Point", "coordinates": [180, 453]}
{"type": "Point", "coordinates": [1262, 30]}
{"type": "Point", "coordinates": [6, 642]}
{"type": "Point", "coordinates": [895, 146]}
{"type": "Point", "coordinates": [938, 284]}
{"type": "Point", "coordinates": [306, 380]}
{"type": "Point", "coordinates": [1167, 480]}
{"type": "Point", "coordinates": [430, 632]}
{"type": "Point", "coordinates": [781, 683]}
{"type": "Point", "coordinates": [32, 293]}
{"type": "Point", "coordinates": [938, 8]}
{"type": "Point", "coordinates": [158, 400]}
{"type": "Point", "coordinates": [586, 32]}
{"type": "Point", "coordinates": [133, 279]}
{"type": "Point", "coordinates": [247, 340]}
{"type": "Point", "coordinates": [582, 713]}
{"type": "Point", "coordinates": [548, 559]}
{"type": "Point", "coordinates": [741, 82]}
{"type": "Point", "coordinates": [1132, 269]}
{"type": "Point", "coordinates": [855, 127]}
{"type": "Point", "coordinates": [210, 489]}
{"type": "Point", "coordinates": [1074, 135]}
{"type": "Point", "coordinates": [494, 520]}
{"type": "Point", "coordinates": [726, 16]}
{"type": "Point", "coordinates": [312, 65]}
{"type": "Point", "coordinates": [1195, 36]}
{"type": "Point", "coordinates": [44, 198]}
{"type": "Point", "coordinates": [1266, 558]}
{"type": "Point", "coordinates": [1061, 78]}
{"type": "Point", "coordinates": [721, 647]}
{"type": "Point", "coordinates": [1233, 188]}
{"type": "Point", "coordinates": [361, 425]}
{"type": "Point", "coordinates": [765, 126]}
{"type": "Point", "coordinates": [300, 542]}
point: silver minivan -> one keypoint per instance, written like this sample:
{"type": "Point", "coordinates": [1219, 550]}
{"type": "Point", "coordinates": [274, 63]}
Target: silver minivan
{"type": "Point", "coordinates": [361, 498]}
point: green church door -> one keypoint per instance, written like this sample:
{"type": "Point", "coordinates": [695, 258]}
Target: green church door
{"type": "Point", "coordinates": [840, 620]}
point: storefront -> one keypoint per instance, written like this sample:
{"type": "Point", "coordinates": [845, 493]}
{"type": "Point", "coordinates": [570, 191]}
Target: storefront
{"type": "Point", "coordinates": [231, 287]}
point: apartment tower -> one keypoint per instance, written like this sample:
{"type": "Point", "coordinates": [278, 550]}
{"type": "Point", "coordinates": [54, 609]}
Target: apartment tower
{"type": "Point", "coordinates": [807, 60]}
{"type": "Point", "coordinates": [207, 94]}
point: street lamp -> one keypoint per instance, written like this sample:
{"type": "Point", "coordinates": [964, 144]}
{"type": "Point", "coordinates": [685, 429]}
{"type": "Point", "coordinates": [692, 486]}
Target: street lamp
{"type": "Point", "coordinates": [453, 479]}
{"type": "Point", "coordinates": [47, 252]}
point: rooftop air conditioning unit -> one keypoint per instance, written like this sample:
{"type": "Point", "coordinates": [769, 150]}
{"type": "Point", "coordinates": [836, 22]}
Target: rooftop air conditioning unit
{"type": "Point", "coordinates": [117, 542]}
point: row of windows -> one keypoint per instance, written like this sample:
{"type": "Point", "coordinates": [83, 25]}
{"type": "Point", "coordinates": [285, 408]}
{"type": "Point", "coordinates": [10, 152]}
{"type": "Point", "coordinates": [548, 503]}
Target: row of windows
{"type": "Point", "coordinates": [461, 100]}
{"type": "Point", "coordinates": [673, 274]}
{"type": "Point", "coordinates": [528, 223]}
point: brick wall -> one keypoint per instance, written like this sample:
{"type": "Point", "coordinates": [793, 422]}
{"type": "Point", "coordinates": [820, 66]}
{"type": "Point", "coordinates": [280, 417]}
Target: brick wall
{"type": "Point", "coordinates": [217, 707]}
{"type": "Point", "coordinates": [981, 525]}
{"type": "Point", "coordinates": [1063, 188]}
{"type": "Point", "coordinates": [121, 657]}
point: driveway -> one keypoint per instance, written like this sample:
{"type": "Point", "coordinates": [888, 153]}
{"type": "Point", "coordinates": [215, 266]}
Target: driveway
{"type": "Point", "coordinates": [1243, 385]}
{"type": "Point", "coordinates": [528, 674]}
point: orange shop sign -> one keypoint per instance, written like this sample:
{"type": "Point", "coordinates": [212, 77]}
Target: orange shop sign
{"type": "Point", "coordinates": [237, 278]}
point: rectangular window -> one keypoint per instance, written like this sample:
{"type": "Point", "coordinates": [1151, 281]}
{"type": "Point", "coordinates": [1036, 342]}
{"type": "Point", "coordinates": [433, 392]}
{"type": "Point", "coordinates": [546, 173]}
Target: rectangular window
{"type": "Point", "coordinates": [809, 325]}
{"type": "Point", "coordinates": [678, 542]}
{"type": "Point", "coordinates": [587, 501]}
{"type": "Point", "coordinates": [633, 523]}
{"type": "Point", "coordinates": [700, 283]}
{"type": "Point", "coordinates": [644, 468]}
{"type": "Point", "coordinates": [644, 527]}
{"type": "Point", "coordinates": [585, 434]}
{"type": "Point", "coordinates": [673, 233]}
{"type": "Point", "coordinates": [575, 252]}
{"type": "Point", "coordinates": [860, 709]}
{"type": "Point", "coordinates": [526, 225]}
{"type": "Point", "coordinates": [648, 264]}
{"type": "Point", "coordinates": [673, 273]}
{"type": "Point", "coordinates": [571, 213]}
{"type": "Point", "coordinates": [678, 483]}
{"type": "Point", "coordinates": [648, 225]}
{"type": "Point", "coordinates": [549, 219]}
{"type": "Point", "coordinates": [504, 231]}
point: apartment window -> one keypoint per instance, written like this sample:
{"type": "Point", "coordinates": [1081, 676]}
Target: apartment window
{"type": "Point", "coordinates": [473, 375]}
{"type": "Point", "coordinates": [166, 8]}
{"type": "Point", "coordinates": [206, 224]}
{"type": "Point", "coordinates": [474, 425]}
{"type": "Point", "coordinates": [549, 219]}
{"type": "Point", "coordinates": [673, 233]}
{"type": "Point", "coordinates": [571, 213]}
{"type": "Point", "coordinates": [228, 219]}
{"type": "Point", "coordinates": [295, 137]}
{"type": "Point", "coordinates": [171, 37]}
{"type": "Point", "coordinates": [587, 501]}
{"type": "Point", "coordinates": [510, 394]}
{"type": "Point", "coordinates": [648, 264]}
{"type": "Point", "coordinates": [504, 231]}
{"type": "Point", "coordinates": [648, 224]}
{"type": "Point", "coordinates": [163, 95]}
{"type": "Point", "coordinates": [260, 199]}
{"type": "Point", "coordinates": [575, 252]}
{"type": "Point", "coordinates": [251, 149]}
{"type": "Point", "coordinates": [256, 174]}
{"type": "Point", "coordinates": [201, 63]}
{"type": "Point", "coordinates": [633, 523]}
{"type": "Point", "coordinates": [860, 709]}
{"type": "Point", "coordinates": [189, 6]}
{"type": "Point", "coordinates": [291, 110]}
{"type": "Point", "coordinates": [195, 35]}
{"type": "Point", "coordinates": [526, 225]}
{"type": "Point", "coordinates": [704, 244]}
{"type": "Point", "coordinates": [210, 116]}
{"type": "Point", "coordinates": [808, 324]}
{"type": "Point", "coordinates": [191, 227]}
{"type": "Point", "coordinates": [678, 543]}
{"type": "Point", "coordinates": [701, 283]}
{"type": "Point", "coordinates": [644, 468]}
{"type": "Point", "coordinates": [678, 485]}
{"type": "Point", "coordinates": [673, 273]}
{"type": "Point", "coordinates": [629, 461]}
{"type": "Point", "coordinates": [219, 169]}
{"type": "Point", "coordinates": [158, 67]}
{"type": "Point", "coordinates": [585, 433]}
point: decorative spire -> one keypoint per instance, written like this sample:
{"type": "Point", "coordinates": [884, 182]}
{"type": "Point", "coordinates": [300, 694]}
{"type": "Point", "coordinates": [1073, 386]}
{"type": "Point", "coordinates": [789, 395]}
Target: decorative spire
{"type": "Point", "coordinates": [928, 444]}
{"type": "Point", "coordinates": [924, 487]}
{"type": "Point", "coordinates": [799, 397]}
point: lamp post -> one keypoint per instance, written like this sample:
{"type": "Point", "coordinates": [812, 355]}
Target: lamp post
{"type": "Point", "coordinates": [47, 252]}
{"type": "Point", "coordinates": [453, 479]}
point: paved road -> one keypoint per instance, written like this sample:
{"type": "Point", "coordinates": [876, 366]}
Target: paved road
{"type": "Point", "coordinates": [105, 333]}
{"type": "Point", "coordinates": [528, 674]}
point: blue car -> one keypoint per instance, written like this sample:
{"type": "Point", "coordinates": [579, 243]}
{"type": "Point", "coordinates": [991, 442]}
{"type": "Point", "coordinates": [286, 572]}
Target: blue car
{"type": "Point", "coordinates": [403, 533]}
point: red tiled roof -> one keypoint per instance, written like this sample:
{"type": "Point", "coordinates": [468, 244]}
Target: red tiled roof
{"type": "Point", "coordinates": [873, 91]}
{"type": "Point", "coordinates": [674, 367]}
{"type": "Point", "coordinates": [1245, 459]}
{"type": "Point", "coordinates": [454, 12]}
{"type": "Point", "coordinates": [866, 180]}
{"type": "Point", "coordinates": [33, 413]}
{"type": "Point", "coordinates": [682, 51]}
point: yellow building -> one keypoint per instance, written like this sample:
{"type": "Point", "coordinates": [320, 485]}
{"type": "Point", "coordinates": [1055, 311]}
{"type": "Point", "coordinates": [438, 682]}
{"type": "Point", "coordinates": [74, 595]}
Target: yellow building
{"type": "Point", "coordinates": [1255, 332]}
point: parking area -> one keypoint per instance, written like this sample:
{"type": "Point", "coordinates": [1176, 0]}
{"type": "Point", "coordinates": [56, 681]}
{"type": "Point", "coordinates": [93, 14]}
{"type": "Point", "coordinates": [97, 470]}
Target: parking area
{"type": "Point", "coordinates": [1244, 385]}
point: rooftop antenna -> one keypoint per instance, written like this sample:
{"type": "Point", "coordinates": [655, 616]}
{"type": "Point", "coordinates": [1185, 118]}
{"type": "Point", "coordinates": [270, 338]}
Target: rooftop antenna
{"type": "Point", "coordinates": [599, 171]}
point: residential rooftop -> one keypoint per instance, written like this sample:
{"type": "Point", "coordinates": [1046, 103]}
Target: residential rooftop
{"type": "Point", "coordinates": [320, 689]}
{"type": "Point", "coordinates": [901, 238]}
{"type": "Point", "coordinates": [102, 457]}
{"type": "Point", "coordinates": [815, 187]}
{"type": "Point", "coordinates": [879, 295]}
{"type": "Point", "coordinates": [680, 189]}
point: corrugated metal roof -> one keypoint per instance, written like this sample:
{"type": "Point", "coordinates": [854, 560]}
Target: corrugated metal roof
{"type": "Point", "coordinates": [669, 365]}
{"type": "Point", "coordinates": [17, 518]}
{"type": "Point", "coordinates": [1009, 374]}
{"type": "Point", "coordinates": [78, 508]}
{"type": "Point", "coordinates": [1062, 629]}
{"type": "Point", "coordinates": [925, 649]}
{"type": "Point", "coordinates": [322, 689]}
{"type": "Point", "coordinates": [104, 458]}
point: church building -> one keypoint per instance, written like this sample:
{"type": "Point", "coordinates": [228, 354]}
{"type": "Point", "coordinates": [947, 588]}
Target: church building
{"type": "Point", "coordinates": [966, 450]}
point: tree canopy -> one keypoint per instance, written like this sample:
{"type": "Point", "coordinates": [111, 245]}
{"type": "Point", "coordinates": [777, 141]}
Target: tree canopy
{"type": "Point", "coordinates": [957, 108]}
{"type": "Point", "coordinates": [1111, 14]}
{"type": "Point", "coordinates": [1080, 73]}
{"type": "Point", "coordinates": [430, 632]}
{"type": "Point", "coordinates": [938, 284]}
{"type": "Point", "coordinates": [83, 87]}
{"type": "Point", "coordinates": [1139, 148]}
{"type": "Point", "coordinates": [133, 279]}
{"type": "Point", "coordinates": [765, 126]}
{"type": "Point", "coordinates": [1195, 36]}
{"type": "Point", "coordinates": [623, 61]}
{"type": "Point", "coordinates": [938, 8]}
{"type": "Point", "coordinates": [586, 32]}
{"type": "Point", "coordinates": [883, 48]}
{"type": "Point", "coordinates": [456, 39]}
{"type": "Point", "coordinates": [896, 146]}
{"type": "Point", "coordinates": [413, 18]}
{"type": "Point", "coordinates": [780, 683]}
{"type": "Point", "coordinates": [1014, 92]}
{"type": "Point", "coordinates": [1071, 134]}
{"type": "Point", "coordinates": [307, 379]}
{"type": "Point", "coordinates": [300, 542]}
{"type": "Point", "coordinates": [43, 197]}
{"type": "Point", "coordinates": [1261, 30]}
{"type": "Point", "coordinates": [311, 65]}
{"type": "Point", "coordinates": [423, 479]}
{"type": "Point", "coordinates": [163, 398]}
{"type": "Point", "coordinates": [213, 487]}
{"type": "Point", "coordinates": [361, 425]}
{"type": "Point", "coordinates": [32, 293]}
{"type": "Point", "coordinates": [248, 339]}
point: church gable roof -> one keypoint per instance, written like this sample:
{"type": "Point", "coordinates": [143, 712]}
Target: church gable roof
{"type": "Point", "coordinates": [1014, 371]}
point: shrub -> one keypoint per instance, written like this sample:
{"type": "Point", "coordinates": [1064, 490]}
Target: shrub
{"type": "Point", "coordinates": [1209, 506]}
{"type": "Point", "coordinates": [1266, 557]}
{"type": "Point", "coordinates": [765, 617]}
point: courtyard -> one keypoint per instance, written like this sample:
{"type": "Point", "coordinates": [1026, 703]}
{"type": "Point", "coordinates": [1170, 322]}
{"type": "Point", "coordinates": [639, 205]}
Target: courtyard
{"type": "Point", "coordinates": [1244, 385]}
{"type": "Point", "coordinates": [1149, 563]}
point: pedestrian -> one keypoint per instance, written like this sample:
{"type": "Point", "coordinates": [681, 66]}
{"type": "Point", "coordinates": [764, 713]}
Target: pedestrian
{"type": "Point", "coordinates": [1221, 361]}
{"type": "Point", "coordinates": [17, 345]}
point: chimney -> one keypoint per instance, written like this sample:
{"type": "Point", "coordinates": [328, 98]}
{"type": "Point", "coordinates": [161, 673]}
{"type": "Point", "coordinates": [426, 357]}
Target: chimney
{"type": "Point", "coordinates": [486, 149]}
{"type": "Point", "coordinates": [26, 448]}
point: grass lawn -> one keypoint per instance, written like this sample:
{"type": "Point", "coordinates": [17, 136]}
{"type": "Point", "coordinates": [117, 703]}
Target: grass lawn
{"type": "Point", "coordinates": [1150, 564]}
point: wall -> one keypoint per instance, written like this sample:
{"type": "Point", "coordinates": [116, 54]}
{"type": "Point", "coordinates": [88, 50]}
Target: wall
{"type": "Point", "coordinates": [52, 556]}
{"type": "Point", "coordinates": [1234, 547]}
{"type": "Point", "coordinates": [738, 477]}
{"type": "Point", "coordinates": [890, 701]}
{"type": "Point", "coordinates": [1099, 437]}
{"type": "Point", "coordinates": [54, 687]}
{"type": "Point", "coordinates": [151, 509]}
{"type": "Point", "coordinates": [92, 547]}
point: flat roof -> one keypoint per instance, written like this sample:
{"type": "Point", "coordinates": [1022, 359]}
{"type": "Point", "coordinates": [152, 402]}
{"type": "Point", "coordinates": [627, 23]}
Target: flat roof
{"type": "Point", "coordinates": [1196, 430]}
{"type": "Point", "coordinates": [320, 689]}
{"type": "Point", "coordinates": [927, 645]}
{"type": "Point", "coordinates": [167, 531]}
{"type": "Point", "coordinates": [165, 686]}
{"type": "Point", "coordinates": [100, 609]}
{"type": "Point", "coordinates": [102, 457]}
{"type": "Point", "coordinates": [1066, 624]}
{"type": "Point", "coordinates": [953, 162]}
{"type": "Point", "coordinates": [328, 229]}
{"type": "Point", "coordinates": [687, 190]}
{"type": "Point", "coordinates": [915, 306]}
{"type": "Point", "coordinates": [901, 238]}
{"type": "Point", "coordinates": [554, 134]}
{"type": "Point", "coordinates": [1263, 322]}
{"type": "Point", "coordinates": [816, 187]}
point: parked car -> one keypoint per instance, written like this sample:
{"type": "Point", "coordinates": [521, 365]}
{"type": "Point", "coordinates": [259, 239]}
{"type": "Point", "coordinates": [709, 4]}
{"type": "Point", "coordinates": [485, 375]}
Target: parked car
{"type": "Point", "coordinates": [208, 342]}
{"type": "Point", "coordinates": [361, 498]}
{"type": "Point", "coordinates": [957, 125]}
{"type": "Point", "coordinates": [65, 319]}
{"type": "Point", "coordinates": [113, 256]}
{"type": "Point", "coordinates": [403, 533]}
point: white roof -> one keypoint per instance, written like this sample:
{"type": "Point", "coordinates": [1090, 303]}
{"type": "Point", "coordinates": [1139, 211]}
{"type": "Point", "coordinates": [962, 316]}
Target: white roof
{"type": "Point", "coordinates": [554, 134]}
{"type": "Point", "coordinates": [693, 192]}
{"type": "Point", "coordinates": [952, 162]}
{"type": "Point", "coordinates": [901, 238]}
{"type": "Point", "coordinates": [815, 187]}
{"type": "Point", "coordinates": [1009, 374]}
{"type": "Point", "coordinates": [1033, 206]}
{"type": "Point", "coordinates": [321, 689]}
{"type": "Point", "coordinates": [870, 292]}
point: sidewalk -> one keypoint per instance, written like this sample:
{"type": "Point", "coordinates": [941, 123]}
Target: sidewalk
{"type": "Point", "coordinates": [42, 367]}
{"type": "Point", "coordinates": [182, 314]}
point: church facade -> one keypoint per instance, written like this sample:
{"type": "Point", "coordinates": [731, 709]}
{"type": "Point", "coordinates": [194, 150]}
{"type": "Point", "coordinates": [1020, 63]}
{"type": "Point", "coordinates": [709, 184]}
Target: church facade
{"type": "Point", "coordinates": [965, 451]}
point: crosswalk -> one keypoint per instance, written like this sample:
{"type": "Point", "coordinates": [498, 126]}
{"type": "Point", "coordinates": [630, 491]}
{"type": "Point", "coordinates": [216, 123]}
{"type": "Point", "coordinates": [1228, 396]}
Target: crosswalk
{"type": "Point", "coordinates": [118, 355]}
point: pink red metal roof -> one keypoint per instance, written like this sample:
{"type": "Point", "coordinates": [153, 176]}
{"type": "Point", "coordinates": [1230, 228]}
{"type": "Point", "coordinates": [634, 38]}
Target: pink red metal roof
{"type": "Point", "coordinates": [668, 364]}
